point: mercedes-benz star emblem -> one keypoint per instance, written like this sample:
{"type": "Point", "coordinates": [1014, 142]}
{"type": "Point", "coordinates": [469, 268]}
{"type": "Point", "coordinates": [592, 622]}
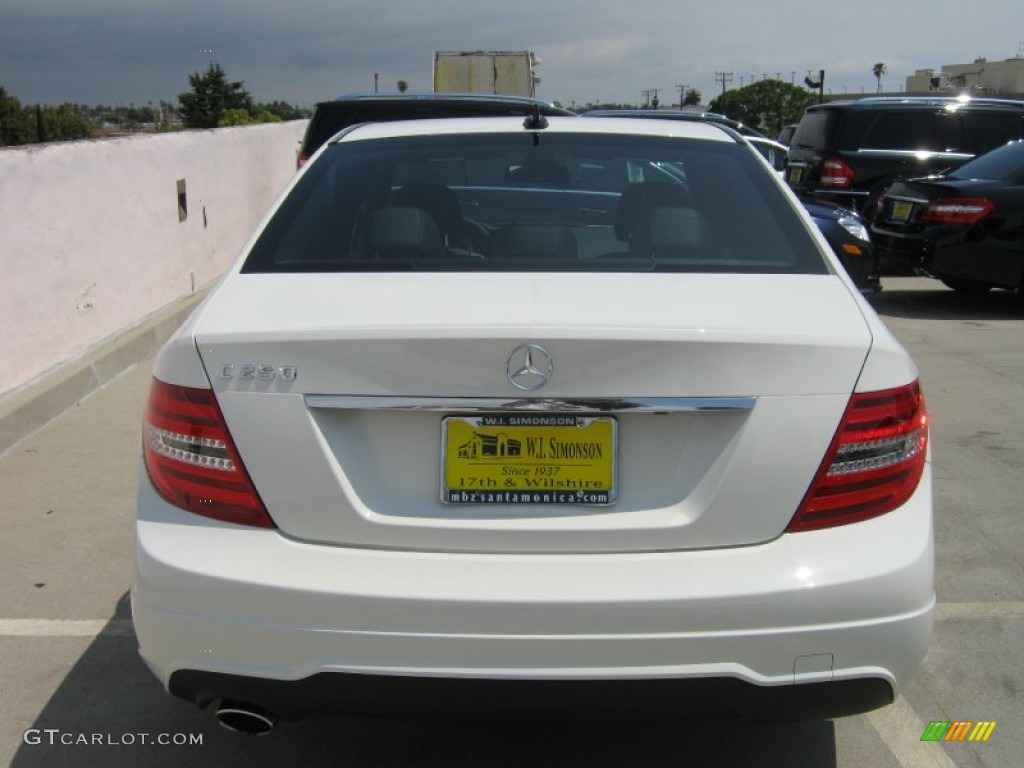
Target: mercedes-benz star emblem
{"type": "Point", "coordinates": [529, 366]}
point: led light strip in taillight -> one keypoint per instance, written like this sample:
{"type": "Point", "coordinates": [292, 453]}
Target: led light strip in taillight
{"type": "Point", "coordinates": [201, 451]}
{"type": "Point", "coordinates": [957, 210]}
{"type": "Point", "coordinates": [875, 461]}
{"type": "Point", "coordinates": [191, 459]}
{"type": "Point", "coordinates": [875, 454]}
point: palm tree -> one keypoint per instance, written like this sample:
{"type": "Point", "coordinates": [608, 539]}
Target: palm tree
{"type": "Point", "coordinates": [878, 70]}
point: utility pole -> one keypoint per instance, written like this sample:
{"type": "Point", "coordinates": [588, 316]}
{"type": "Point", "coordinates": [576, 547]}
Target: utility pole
{"type": "Point", "coordinates": [682, 93]}
{"type": "Point", "coordinates": [654, 97]}
{"type": "Point", "coordinates": [723, 78]}
{"type": "Point", "coordinates": [818, 86]}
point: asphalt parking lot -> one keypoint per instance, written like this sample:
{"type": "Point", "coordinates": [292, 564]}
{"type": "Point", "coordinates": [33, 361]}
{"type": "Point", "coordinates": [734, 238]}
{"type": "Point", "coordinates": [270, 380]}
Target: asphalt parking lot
{"type": "Point", "coordinates": [73, 691]}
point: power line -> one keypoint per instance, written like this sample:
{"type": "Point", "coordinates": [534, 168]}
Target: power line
{"type": "Point", "coordinates": [682, 93]}
{"type": "Point", "coordinates": [723, 78]}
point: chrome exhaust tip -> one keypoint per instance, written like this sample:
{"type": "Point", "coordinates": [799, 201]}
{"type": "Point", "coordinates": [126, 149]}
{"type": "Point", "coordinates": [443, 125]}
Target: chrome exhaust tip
{"type": "Point", "coordinates": [245, 718]}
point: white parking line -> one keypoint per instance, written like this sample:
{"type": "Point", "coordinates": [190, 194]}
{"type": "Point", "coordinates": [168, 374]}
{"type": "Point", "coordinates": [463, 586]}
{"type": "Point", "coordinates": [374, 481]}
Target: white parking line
{"type": "Point", "coordinates": [900, 729]}
{"type": "Point", "coordinates": [65, 627]}
{"type": "Point", "coordinates": [955, 611]}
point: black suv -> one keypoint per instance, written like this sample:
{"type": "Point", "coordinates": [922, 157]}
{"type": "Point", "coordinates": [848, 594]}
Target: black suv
{"type": "Point", "coordinates": [849, 152]}
{"type": "Point", "coordinates": [332, 116]}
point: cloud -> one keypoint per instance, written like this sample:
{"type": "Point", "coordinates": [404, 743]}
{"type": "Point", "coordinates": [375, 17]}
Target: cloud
{"type": "Point", "coordinates": [104, 51]}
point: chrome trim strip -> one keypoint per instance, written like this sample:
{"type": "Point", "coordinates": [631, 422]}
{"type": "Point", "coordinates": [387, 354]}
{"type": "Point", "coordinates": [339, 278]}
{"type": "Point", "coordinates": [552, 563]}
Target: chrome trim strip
{"type": "Point", "coordinates": [495, 404]}
{"type": "Point", "coordinates": [908, 199]}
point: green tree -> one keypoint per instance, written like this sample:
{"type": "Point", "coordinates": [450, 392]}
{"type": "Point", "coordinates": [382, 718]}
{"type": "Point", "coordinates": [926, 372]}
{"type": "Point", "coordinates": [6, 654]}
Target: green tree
{"type": "Point", "coordinates": [878, 70]}
{"type": "Point", "coordinates": [691, 98]}
{"type": "Point", "coordinates": [15, 126]}
{"type": "Point", "coordinates": [766, 105]}
{"type": "Point", "coordinates": [235, 117]}
{"type": "Point", "coordinates": [211, 95]}
{"type": "Point", "coordinates": [282, 109]}
{"type": "Point", "coordinates": [63, 123]}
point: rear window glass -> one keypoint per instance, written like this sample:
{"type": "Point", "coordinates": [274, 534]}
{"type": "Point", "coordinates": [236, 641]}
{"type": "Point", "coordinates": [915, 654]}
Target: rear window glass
{"type": "Point", "coordinates": [911, 131]}
{"type": "Point", "coordinates": [813, 130]}
{"type": "Point", "coordinates": [1003, 164]}
{"type": "Point", "coordinates": [989, 131]}
{"type": "Point", "coordinates": [501, 202]}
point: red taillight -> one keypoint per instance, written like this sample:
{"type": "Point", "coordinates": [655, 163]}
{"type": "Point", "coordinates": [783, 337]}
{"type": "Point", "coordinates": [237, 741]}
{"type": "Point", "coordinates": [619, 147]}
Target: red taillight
{"type": "Point", "coordinates": [956, 210]}
{"type": "Point", "coordinates": [874, 463]}
{"type": "Point", "coordinates": [300, 161]}
{"type": "Point", "coordinates": [191, 459]}
{"type": "Point", "coordinates": [835, 174]}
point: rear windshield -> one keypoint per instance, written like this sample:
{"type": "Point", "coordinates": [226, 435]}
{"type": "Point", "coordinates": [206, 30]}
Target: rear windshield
{"type": "Point", "coordinates": [916, 131]}
{"type": "Point", "coordinates": [1003, 164]}
{"type": "Point", "coordinates": [991, 130]}
{"type": "Point", "coordinates": [567, 202]}
{"type": "Point", "coordinates": [813, 130]}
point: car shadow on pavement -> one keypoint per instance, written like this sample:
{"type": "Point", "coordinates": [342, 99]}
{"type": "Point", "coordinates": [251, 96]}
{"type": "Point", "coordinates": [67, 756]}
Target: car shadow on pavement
{"type": "Point", "coordinates": [109, 710]}
{"type": "Point", "coordinates": [906, 297]}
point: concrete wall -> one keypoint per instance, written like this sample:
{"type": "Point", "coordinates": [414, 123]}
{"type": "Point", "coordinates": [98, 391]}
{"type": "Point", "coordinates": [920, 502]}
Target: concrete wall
{"type": "Point", "coordinates": [90, 237]}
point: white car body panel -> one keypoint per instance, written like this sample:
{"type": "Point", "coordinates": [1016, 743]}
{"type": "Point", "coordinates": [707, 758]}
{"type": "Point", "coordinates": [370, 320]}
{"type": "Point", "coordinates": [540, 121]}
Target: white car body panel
{"type": "Point", "coordinates": [861, 594]}
{"type": "Point", "coordinates": [333, 387]}
{"type": "Point", "coordinates": [371, 478]}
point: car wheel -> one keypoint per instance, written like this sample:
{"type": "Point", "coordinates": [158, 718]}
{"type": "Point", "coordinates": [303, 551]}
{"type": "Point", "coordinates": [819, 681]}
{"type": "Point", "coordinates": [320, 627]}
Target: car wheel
{"type": "Point", "coordinates": [967, 286]}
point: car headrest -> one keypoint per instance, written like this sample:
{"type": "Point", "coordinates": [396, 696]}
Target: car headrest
{"type": "Point", "coordinates": [639, 200]}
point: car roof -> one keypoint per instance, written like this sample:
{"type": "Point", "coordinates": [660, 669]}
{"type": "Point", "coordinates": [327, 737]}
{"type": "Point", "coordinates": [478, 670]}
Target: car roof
{"type": "Point", "coordinates": [437, 98]}
{"type": "Point", "coordinates": [678, 114]}
{"type": "Point", "coordinates": [555, 125]}
{"type": "Point", "coordinates": [919, 102]}
{"type": "Point", "coordinates": [768, 142]}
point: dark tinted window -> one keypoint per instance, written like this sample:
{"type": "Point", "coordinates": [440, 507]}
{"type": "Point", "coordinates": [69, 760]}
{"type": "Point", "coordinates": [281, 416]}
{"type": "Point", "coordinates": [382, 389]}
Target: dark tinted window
{"type": "Point", "coordinates": [900, 130]}
{"type": "Point", "coordinates": [1003, 164]}
{"type": "Point", "coordinates": [814, 130]}
{"type": "Point", "coordinates": [500, 202]}
{"type": "Point", "coordinates": [988, 130]}
{"type": "Point", "coordinates": [950, 133]}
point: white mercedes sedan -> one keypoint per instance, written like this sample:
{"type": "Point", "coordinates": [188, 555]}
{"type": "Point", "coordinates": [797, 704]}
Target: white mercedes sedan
{"type": "Point", "coordinates": [555, 416]}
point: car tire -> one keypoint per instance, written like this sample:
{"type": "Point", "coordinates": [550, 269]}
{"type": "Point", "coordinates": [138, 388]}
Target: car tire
{"type": "Point", "coordinates": [967, 286]}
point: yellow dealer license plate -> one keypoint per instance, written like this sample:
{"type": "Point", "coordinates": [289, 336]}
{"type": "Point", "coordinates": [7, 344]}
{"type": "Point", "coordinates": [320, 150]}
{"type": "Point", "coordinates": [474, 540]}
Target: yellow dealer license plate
{"type": "Point", "coordinates": [901, 210]}
{"type": "Point", "coordinates": [528, 458]}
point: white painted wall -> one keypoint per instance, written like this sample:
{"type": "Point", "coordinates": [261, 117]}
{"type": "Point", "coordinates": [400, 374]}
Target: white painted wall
{"type": "Point", "coordinates": [90, 241]}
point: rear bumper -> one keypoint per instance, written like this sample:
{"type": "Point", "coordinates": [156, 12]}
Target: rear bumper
{"type": "Point", "coordinates": [827, 622]}
{"type": "Point", "coordinates": [471, 698]}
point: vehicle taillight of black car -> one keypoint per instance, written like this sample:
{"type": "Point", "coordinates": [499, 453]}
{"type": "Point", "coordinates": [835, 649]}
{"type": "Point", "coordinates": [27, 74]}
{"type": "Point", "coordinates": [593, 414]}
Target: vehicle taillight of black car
{"type": "Point", "coordinates": [965, 228]}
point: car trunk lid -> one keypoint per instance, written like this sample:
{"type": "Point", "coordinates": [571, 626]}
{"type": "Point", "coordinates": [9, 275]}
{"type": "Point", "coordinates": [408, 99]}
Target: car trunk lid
{"type": "Point", "coordinates": [718, 396]}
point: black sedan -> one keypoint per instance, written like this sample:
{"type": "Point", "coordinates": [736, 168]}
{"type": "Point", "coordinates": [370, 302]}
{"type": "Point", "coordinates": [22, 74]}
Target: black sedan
{"type": "Point", "coordinates": [965, 228]}
{"type": "Point", "coordinates": [849, 238]}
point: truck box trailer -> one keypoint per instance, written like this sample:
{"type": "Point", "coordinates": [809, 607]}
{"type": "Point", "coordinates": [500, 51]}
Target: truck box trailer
{"type": "Point", "coordinates": [508, 72]}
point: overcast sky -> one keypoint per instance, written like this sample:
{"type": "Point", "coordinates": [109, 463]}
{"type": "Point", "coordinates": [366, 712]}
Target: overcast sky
{"type": "Point", "coordinates": [125, 51]}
